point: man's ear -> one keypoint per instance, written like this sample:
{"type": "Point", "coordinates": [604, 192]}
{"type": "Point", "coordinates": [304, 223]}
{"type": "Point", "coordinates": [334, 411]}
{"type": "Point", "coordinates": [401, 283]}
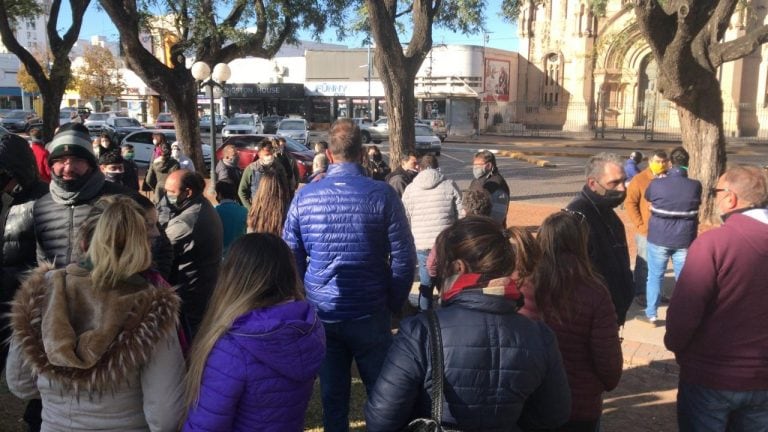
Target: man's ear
{"type": "Point", "coordinates": [329, 155]}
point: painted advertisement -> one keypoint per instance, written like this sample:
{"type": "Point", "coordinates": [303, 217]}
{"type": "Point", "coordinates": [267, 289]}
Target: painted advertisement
{"type": "Point", "coordinates": [496, 80]}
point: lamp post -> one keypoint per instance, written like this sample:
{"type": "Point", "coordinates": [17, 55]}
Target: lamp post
{"type": "Point", "coordinates": [202, 73]}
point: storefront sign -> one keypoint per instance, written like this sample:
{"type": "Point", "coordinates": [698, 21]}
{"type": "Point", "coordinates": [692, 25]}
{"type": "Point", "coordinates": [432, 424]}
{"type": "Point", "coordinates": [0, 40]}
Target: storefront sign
{"type": "Point", "coordinates": [287, 91]}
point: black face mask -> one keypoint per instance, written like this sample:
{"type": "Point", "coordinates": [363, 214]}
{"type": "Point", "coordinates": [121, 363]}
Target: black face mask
{"type": "Point", "coordinates": [376, 157]}
{"type": "Point", "coordinates": [71, 185]}
{"type": "Point", "coordinates": [115, 177]}
{"type": "Point", "coordinates": [613, 198]}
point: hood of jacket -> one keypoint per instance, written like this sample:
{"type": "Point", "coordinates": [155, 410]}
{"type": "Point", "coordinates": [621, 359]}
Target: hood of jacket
{"type": "Point", "coordinates": [16, 157]}
{"type": "Point", "coordinates": [288, 337]}
{"type": "Point", "coordinates": [88, 339]}
{"type": "Point", "coordinates": [428, 179]}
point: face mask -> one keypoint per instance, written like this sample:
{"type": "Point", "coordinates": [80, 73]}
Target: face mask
{"type": "Point", "coordinates": [657, 167]}
{"type": "Point", "coordinates": [114, 176]}
{"type": "Point", "coordinates": [175, 153]}
{"type": "Point", "coordinates": [128, 155]}
{"type": "Point", "coordinates": [478, 171]}
{"type": "Point", "coordinates": [375, 157]}
{"type": "Point", "coordinates": [175, 201]}
{"type": "Point", "coordinates": [267, 160]}
{"type": "Point", "coordinates": [614, 198]}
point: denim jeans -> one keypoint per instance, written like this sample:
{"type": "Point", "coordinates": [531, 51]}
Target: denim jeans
{"type": "Point", "coordinates": [658, 257]}
{"type": "Point", "coordinates": [641, 265]}
{"type": "Point", "coordinates": [366, 340]}
{"type": "Point", "coordinates": [425, 281]}
{"type": "Point", "coordinates": [701, 409]}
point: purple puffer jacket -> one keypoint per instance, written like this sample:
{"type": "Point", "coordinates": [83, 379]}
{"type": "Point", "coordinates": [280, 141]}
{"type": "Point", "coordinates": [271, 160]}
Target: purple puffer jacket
{"type": "Point", "coordinates": [259, 375]}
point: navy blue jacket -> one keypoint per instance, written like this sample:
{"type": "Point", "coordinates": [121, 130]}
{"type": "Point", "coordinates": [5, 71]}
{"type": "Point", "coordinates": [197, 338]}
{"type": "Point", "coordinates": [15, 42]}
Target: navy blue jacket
{"type": "Point", "coordinates": [503, 372]}
{"type": "Point", "coordinates": [675, 201]}
{"type": "Point", "coordinates": [352, 243]}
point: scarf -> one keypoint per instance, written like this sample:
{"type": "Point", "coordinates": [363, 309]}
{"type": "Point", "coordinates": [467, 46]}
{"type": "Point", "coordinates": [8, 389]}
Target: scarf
{"type": "Point", "coordinates": [503, 287]}
{"type": "Point", "coordinates": [90, 189]}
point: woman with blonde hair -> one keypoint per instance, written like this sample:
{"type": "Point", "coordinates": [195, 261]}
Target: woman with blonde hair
{"type": "Point", "coordinates": [260, 345]}
{"type": "Point", "coordinates": [567, 294]}
{"type": "Point", "coordinates": [269, 205]}
{"type": "Point", "coordinates": [96, 340]}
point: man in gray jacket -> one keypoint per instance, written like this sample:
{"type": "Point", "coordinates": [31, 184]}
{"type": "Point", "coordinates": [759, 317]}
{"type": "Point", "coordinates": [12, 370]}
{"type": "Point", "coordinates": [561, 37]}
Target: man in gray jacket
{"type": "Point", "coordinates": [196, 234]}
{"type": "Point", "coordinates": [432, 203]}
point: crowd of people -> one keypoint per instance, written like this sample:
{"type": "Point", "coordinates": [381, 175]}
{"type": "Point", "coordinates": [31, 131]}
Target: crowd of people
{"type": "Point", "coordinates": [129, 313]}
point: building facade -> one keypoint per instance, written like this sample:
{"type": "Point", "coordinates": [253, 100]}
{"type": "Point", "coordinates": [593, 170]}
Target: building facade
{"type": "Point", "coordinates": [580, 71]}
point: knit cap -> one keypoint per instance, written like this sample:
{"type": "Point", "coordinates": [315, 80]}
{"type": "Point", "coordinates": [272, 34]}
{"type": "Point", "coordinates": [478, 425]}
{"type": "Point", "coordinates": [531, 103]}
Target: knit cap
{"type": "Point", "coordinates": [72, 143]}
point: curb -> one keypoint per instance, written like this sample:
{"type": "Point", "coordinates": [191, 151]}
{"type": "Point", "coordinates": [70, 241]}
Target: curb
{"type": "Point", "coordinates": [526, 158]}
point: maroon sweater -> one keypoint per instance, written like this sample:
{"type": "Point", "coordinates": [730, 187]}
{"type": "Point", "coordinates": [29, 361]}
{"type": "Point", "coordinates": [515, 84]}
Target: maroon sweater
{"type": "Point", "coordinates": [589, 344]}
{"type": "Point", "coordinates": [718, 316]}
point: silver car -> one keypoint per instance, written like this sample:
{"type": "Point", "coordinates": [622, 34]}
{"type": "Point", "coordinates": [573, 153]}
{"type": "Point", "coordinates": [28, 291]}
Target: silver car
{"type": "Point", "coordinates": [298, 129]}
{"type": "Point", "coordinates": [243, 125]}
{"type": "Point", "coordinates": [427, 141]}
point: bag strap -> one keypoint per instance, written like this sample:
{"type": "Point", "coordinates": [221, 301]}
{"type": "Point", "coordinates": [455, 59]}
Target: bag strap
{"type": "Point", "coordinates": [436, 352]}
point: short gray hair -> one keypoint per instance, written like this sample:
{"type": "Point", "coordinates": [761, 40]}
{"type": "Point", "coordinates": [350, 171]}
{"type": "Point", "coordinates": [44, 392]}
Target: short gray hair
{"type": "Point", "coordinates": [596, 164]}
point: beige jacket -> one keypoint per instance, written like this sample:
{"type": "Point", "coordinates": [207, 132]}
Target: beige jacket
{"type": "Point", "coordinates": [99, 360]}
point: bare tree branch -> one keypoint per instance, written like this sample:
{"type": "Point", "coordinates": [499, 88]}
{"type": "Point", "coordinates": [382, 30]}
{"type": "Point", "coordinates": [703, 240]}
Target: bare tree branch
{"type": "Point", "coordinates": [404, 12]}
{"type": "Point", "coordinates": [236, 13]}
{"type": "Point", "coordinates": [739, 47]}
{"type": "Point", "coordinates": [721, 18]}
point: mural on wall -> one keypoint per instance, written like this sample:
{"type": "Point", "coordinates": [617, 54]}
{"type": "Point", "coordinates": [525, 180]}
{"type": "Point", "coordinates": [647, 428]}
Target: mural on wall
{"type": "Point", "coordinates": [496, 82]}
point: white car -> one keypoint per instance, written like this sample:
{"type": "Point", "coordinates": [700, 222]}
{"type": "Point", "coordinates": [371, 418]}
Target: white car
{"type": "Point", "coordinates": [243, 125]}
{"type": "Point", "coordinates": [96, 122]}
{"type": "Point", "coordinates": [427, 141]}
{"type": "Point", "coordinates": [143, 147]}
{"type": "Point", "coordinates": [298, 129]}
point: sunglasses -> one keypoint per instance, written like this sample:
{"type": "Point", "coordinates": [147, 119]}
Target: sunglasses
{"type": "Point", "coordinates": [713, 191]}
{"type": "Point", "coordinates": [575, 213]}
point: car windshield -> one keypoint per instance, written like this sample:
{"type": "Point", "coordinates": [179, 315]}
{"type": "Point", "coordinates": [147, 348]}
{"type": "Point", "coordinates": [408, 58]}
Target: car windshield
{"type": "Point", "coordinates": [423, 131]}
{"type": "Point", "coordinates": [17, 115]}
{"type": "Point", "coordinates": [65, 114]}
{"type": "Point", "coordinates": [98, 117]}
{"type": "Point", "coordinates": [241, 121]}
{"type": "Point", "coordinates": [165, 118]}
{"type": "Point", "coordinates": [126, 122]}
{"type": "Point", "coordinates": [292, 125]}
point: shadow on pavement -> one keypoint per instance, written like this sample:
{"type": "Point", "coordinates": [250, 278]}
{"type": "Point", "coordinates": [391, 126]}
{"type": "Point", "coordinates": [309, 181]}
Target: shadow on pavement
{"type": "Point", "coordinates": [645, 400]}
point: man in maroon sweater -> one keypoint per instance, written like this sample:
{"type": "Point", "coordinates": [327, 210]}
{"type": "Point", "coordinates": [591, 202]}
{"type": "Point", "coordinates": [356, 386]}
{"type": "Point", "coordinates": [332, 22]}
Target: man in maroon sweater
{"type": "Point", "coordinates": [716, 322]}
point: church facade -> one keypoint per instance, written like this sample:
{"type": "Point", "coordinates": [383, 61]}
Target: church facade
{"type": "Point", "coordinates": [582, 71]}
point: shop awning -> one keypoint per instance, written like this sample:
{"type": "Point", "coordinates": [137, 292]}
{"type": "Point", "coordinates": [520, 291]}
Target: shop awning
{"type": "Point", "coordinates": [10, 91]}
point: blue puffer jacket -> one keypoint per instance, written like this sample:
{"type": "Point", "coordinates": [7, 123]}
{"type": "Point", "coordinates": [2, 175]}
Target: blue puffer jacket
{"type": "Point", "coordinates": [675, 201]}
{"type": "Point", "coordinates": [259, 375]}
{"type": "Point", "coordinates": [503, 372]}
{"type": "Point", "coordinates": [352, 244]}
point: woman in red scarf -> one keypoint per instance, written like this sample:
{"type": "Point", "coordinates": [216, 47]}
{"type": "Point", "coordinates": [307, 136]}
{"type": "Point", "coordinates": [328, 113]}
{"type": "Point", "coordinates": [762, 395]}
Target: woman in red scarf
{"type": "Point", "coordinates": [501, 370]}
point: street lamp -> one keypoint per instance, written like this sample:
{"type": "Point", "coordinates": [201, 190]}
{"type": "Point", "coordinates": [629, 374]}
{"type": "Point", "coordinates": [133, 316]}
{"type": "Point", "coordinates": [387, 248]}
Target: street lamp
{"type": "Point", "coordinates": [202, 73]}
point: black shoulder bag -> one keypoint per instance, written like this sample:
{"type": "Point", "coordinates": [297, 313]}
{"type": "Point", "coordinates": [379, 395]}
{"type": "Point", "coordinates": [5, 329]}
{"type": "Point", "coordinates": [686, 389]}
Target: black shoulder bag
{"type": "Point", "coordinates": [432, 424]}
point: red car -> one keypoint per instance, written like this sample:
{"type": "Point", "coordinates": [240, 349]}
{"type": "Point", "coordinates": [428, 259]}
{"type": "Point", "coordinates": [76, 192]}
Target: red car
{"type": "Point", "coordinates": [247, 152]}
{"type": "Point", "coordinates": [164, 121]}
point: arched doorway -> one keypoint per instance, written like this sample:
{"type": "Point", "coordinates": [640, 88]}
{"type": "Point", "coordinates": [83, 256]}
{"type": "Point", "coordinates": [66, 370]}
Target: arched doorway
{"type": "Point", "coordinates": [646, 88]}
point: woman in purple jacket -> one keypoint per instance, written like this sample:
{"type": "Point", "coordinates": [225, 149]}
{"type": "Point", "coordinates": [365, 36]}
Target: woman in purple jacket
{"type": "Point", "coordinates": [259, 347]}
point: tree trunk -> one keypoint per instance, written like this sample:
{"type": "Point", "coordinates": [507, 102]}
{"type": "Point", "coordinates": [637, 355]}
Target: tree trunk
{"type": "Point", "coordinates": [400, 110]}
{"type": "Point", "coordinates": [183, 104]}
{"type": "Point", "coordinates": [701, 126]}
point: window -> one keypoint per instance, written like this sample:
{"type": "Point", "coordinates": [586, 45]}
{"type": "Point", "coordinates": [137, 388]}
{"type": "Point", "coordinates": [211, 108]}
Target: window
{"type": "Point", "coordinates": [553, 79]}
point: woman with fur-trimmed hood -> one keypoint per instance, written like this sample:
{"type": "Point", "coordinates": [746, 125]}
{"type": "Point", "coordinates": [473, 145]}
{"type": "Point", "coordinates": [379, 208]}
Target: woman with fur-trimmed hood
{"type": "Point", "coordinates": [96, 340]}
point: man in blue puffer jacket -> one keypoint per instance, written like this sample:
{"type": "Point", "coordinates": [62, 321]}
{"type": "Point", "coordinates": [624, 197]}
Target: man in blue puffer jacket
{"type": "Point", "coordinates": [674, 223]}
{"type": "Point", "coordinates": [355, 253]}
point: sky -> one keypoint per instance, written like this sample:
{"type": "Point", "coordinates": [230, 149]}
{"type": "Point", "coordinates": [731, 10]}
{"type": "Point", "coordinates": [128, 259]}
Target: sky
{"type": "Point", "coordinates": [501, 34]}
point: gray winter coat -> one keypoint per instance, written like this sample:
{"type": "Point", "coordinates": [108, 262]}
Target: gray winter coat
{"type": "Point", "coordinates": [432, 203]}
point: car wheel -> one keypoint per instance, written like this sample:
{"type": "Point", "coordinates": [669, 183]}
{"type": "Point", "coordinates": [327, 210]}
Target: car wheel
{"type": "Point", "coordinates": [437, 153]}
{"type": "Point", "coordinates": [366, 137]}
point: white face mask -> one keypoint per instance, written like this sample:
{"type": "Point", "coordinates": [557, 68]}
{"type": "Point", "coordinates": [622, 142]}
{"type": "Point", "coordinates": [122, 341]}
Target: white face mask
{"type": "Point", "coordinates": [267, 160]}
{"type": "Point", "coordinates": [175, 153]}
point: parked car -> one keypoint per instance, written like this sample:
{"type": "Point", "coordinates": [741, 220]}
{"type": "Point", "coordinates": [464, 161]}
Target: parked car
{"type": "Point", "coordinates": [298, 129]}
{"type": "Point", "coordinates": [243, 124]}
{"type": "Point", "coordinates": [65, 116]}
{"type": "Point", "coordinates": [96, 121]}
{"type": "Point", "coordinates": [3, 131]}
{"type": "Point", "coordinates": [119, 127]}
{"type": "Point", "coordinates": [427, 141]}
{"type": "Point", "coordinates": [205, 122]}
{"type": "Point", "coordinates": [164, 121]}
{"type": "Point", "coordinates": [376, 132]}
{"type": "Point", "coordinates": [144, 148]}
{"type": "Point", "coordinates": [437, 125]}
{"type": "Point", "coordinates": [247, 152]}
{"type": "Point", "coordinates": [270, 123]}
{"type": "Point", "coordinates": [21, 120]}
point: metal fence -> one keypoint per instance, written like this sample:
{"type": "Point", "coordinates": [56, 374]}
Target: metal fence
{"type": "Point", "coordinates": [655, 119]}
